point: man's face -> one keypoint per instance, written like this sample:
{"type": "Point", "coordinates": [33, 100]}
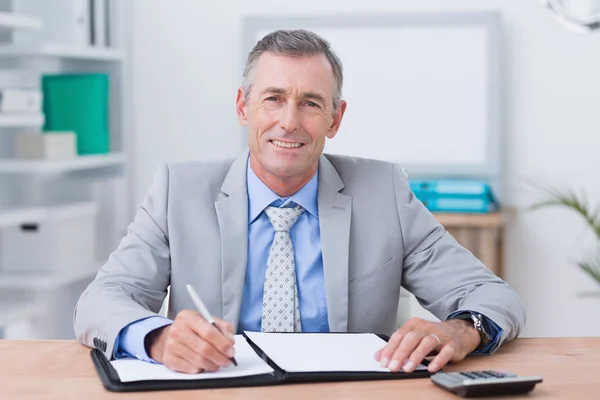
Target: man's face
{"type": "Point", "coordinates": [289, 113]}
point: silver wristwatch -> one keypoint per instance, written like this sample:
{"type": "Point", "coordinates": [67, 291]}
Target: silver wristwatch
{"type": "Point", "coordinates": [478, 324]}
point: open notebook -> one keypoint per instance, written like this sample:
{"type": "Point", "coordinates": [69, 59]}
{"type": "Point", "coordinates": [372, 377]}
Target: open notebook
{"type": "Point", "coordinates": [263, 359]}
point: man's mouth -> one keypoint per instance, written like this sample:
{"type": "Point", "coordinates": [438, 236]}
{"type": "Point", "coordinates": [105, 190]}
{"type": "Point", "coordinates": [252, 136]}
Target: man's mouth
{"type": "Point", "coordinates": [286, 145]}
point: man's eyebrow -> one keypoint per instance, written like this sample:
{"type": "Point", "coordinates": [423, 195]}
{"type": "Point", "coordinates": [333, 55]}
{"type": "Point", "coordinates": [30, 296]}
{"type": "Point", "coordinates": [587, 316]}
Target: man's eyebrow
{"type": "Point", "coordinates": [314, 96]}
{"type": "Point", "coordinates": [272, 90]}
{"type": "Point", "coordinates": [281, 91]}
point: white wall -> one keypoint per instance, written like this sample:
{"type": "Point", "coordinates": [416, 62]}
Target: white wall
{"type": "Point", "coordinates": [187, 64]}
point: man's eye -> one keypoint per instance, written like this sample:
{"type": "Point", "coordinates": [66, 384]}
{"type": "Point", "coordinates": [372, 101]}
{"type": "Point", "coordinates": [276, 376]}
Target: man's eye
{"type": "Point", "coordinates": [312, 104]}
{"type": "Point", "coordinates": [271, 98]}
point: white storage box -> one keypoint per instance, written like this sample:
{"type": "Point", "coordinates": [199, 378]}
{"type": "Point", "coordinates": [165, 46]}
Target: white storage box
{"type": "Point", "coordinates": [47, 146]}
{"type": "Point", "coordinates": [64, 240]}
{"type": "Point", "coordinates": [18, 78]}
{"type": "Point", "coordinates": [20, 101]}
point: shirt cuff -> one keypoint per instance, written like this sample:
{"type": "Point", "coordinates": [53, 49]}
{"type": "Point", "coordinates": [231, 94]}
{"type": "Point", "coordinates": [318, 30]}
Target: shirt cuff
{"type": "Point", "coordinates": [491, 328]}
{"type": "Point", "coordinates": [130, 341]}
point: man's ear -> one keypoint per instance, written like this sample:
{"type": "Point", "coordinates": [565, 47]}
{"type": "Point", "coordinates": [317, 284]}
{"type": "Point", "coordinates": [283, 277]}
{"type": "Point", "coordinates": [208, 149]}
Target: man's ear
{"type": "Point", "coordinates": [337, 119]}
{"type": "Point", "coordinates": [241, 108]}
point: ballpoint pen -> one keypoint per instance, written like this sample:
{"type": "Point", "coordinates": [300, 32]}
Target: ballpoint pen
{"type": "Point", "coordinates": [204, 312]}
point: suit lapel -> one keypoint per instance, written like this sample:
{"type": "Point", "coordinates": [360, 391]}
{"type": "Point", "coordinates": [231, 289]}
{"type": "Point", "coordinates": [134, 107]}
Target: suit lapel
{"type": "Point", "coordinates": [232, 213]}
{"type": "Point", "coordinates": [335, 210]}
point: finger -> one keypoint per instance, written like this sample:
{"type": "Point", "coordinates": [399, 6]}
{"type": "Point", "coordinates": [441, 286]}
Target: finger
{"type": "Point", "coordinates": [427, 345]}
{"type": "Point", "coordinates": [180, 350]}
{"type": "Point", "coordinates": [445, 355]}
{"type": "Point", "coordinates": [178, 364]}
{"type": "Point", "coordinates": [198, 346]}
{"type": "Point", "coordinates": [378, 354]}
{"type": "Point", "coordinates": [182, 332]}
{"type": "Point", "coordinates": [211, 335]}
{"type": "Point", "coordinates": [226, 328]}
{"type": "Point", "coordinates": [386, 353]}
{"type": "Point", "coordinates": [409, 343]}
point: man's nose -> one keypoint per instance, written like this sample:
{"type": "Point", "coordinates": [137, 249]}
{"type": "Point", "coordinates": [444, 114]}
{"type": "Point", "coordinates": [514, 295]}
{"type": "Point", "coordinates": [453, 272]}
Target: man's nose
{"type": "Point", "coordinates": [289, 119]}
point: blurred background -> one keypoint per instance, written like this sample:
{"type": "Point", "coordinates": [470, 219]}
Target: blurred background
{"type": "Point", "coordinates": [492, 108]}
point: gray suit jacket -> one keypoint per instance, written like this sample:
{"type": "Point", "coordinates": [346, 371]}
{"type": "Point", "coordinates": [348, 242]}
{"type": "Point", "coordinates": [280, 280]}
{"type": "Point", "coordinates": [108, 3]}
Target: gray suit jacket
{"type": "Point", "coordinates": [192, 227]}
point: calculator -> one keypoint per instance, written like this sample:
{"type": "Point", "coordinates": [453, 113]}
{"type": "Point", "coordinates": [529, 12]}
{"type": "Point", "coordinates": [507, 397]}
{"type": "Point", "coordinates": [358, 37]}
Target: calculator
{"type": "Point", "coordinates": [484, 383]}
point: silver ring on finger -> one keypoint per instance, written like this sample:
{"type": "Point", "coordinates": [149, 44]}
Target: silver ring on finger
{"type": "Point", "coordinates": [436, 337]}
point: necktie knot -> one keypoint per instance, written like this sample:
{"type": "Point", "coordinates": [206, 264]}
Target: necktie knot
{"type": "Point", "coordinates": [283, 219]}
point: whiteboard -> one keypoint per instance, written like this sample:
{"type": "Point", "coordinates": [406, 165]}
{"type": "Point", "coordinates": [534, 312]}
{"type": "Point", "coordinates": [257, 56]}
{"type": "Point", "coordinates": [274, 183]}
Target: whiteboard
{"type": "Point", "coordinates": [422, 89]}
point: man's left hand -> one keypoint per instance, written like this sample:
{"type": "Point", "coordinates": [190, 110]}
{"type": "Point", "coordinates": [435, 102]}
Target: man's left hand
{"type": "Point", "coordinates": [416, 339]}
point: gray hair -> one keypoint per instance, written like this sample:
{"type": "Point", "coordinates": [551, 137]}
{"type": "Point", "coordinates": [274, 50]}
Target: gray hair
{"type": "Point", "coordinates": [294, 43]}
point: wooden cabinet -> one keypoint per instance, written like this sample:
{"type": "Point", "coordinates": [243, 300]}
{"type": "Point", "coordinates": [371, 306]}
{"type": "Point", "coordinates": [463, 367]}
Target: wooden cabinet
{"type": "Point", "coordinates": [482, 234]}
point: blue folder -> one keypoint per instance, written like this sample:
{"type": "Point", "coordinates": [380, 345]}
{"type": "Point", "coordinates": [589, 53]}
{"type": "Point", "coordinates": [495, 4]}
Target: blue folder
{"type": "Point", "coordinates": [455, 195]}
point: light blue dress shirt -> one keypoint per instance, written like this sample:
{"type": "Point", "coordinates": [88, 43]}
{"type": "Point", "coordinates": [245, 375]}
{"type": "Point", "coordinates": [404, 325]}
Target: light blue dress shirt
{"type": "Point", "coordinates": [306, 240]}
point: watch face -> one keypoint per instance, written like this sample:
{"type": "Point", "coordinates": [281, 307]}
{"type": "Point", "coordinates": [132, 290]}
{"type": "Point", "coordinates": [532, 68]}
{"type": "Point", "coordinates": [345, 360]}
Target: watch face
{"type": "Point", "coordinates": [478, 324]}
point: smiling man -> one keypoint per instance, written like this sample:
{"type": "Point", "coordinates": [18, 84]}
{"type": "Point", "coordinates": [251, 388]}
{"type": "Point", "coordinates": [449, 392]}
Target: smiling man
{"type": "Point", "coordinates": [287, 239]}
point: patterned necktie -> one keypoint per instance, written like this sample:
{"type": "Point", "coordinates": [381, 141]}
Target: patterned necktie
{"type": "Point", "coordinates": [281, 312]}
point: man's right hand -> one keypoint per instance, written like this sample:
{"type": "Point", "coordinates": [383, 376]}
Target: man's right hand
{"type": "Point", "coordinates": [191, 344]}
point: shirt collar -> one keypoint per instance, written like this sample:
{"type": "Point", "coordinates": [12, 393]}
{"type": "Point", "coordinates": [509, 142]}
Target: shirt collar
{"type": "Point", "coordinates": [260, 196]}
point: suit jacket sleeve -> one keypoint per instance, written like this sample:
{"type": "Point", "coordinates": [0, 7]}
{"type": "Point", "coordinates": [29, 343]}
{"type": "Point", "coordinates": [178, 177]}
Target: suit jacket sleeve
{"type": "Point", "coordinates": [446, 277]}
{"type": "Point", "coordinates": [133, 283]}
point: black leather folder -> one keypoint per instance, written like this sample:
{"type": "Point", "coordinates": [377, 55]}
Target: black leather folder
{"type": "Point", "coordinates": [110, 378]}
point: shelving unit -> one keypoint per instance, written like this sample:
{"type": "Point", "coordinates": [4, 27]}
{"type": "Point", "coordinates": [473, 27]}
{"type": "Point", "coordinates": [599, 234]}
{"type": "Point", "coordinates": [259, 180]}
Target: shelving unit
{"type": "Point", "coordinates": [21, 121]}
{"type": "Point", "coordinates": [28, 187]}
{"type": "Point", "coordinates": [62, 51]}
{"type": "Point", "coordinates": [81, 163]}
{"type": "Point", "coordinates": [48, 281]}
{"type": "Point", "coordinates": [39, 215]}
{"type": "Point", "coordinates": [17, 311]}
{"type": "Point", "coordinates": [19, 216]}
{"type": "Point", "coordinates": [9, 20]}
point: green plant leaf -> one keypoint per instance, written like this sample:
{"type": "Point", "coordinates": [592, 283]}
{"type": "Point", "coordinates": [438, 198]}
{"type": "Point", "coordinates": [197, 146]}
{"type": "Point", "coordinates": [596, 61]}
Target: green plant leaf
{"type": "Point", "coordinates": [568, 198]}
{"type": "Point", "coordinates": [592, 268]}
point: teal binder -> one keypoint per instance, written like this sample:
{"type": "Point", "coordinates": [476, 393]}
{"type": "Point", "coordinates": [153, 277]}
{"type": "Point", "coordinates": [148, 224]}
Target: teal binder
{"type": "Point", "coordinates": [451, 187]}
{"type": "Point", "coordinates": [455, 195]}
{"type": "Point", "coordinates": [464, 205]}
{"type": "Point", "coordinates": [78, 103]}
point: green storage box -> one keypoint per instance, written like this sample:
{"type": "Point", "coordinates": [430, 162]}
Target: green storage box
{"type": "Point", "coordinates": [78, 103]}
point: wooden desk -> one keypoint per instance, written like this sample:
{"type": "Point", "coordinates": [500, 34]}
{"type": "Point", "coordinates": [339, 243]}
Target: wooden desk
{"type": "Point", "coordinates": [63, 370]}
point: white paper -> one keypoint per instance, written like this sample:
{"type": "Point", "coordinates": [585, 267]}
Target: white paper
{"type": "Point", "coordinates": [322, 352]}
{"type": "Point", "coordinates": [249, 363]}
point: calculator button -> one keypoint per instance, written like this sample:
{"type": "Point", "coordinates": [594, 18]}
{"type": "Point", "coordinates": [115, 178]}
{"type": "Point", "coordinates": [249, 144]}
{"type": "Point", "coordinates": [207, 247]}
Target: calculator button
{"type": "Point", "coordinates": [451, 378]}
{"type": "Point", "coordinates": [492, 373]}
